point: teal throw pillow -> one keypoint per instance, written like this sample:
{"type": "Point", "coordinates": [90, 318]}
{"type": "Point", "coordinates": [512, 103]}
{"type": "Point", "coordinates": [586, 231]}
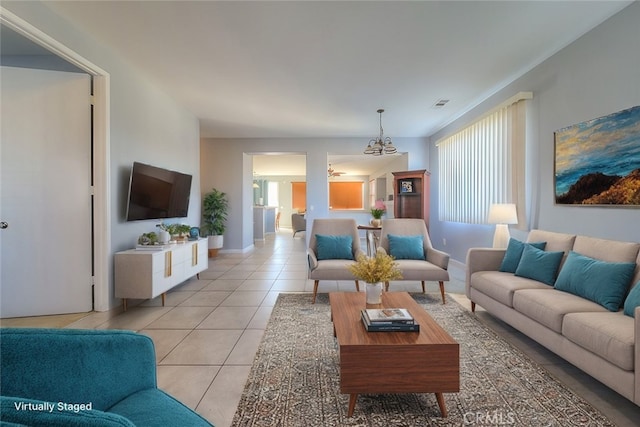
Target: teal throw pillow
{"type": "Point", "coordinates": [539, 265]}
{"type": "Point", "coordinates": [603, 282]}
{"type": "Point", "coordinates": [406, 247]}
{"type": "Point", "coordinates": [514, 253]}
{"type": "Point", "coordinates": [632, 301]}
{"type": "Point", "coordinates": [334, 247]}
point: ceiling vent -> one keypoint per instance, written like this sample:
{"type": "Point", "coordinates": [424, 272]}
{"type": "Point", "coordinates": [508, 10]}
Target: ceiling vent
{"type": "Point", "coordinates": [440, 103]}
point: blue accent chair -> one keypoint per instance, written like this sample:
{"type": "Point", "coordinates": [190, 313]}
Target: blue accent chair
{"type": "Point", "coordinates": [70, 377]}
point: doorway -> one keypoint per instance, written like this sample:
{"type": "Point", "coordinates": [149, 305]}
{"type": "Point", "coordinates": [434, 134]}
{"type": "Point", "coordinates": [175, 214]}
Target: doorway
{"type": "Point", "coordinates": [100, 188]}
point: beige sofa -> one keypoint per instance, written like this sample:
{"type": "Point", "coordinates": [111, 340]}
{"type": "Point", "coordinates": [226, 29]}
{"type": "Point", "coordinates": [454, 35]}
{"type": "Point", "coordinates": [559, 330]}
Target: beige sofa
{"type": "Point", "coordinates": [588, 335]}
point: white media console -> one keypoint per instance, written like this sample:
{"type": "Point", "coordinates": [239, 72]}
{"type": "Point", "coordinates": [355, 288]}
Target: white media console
{"type": "Point", "coordinates": [145, 274]}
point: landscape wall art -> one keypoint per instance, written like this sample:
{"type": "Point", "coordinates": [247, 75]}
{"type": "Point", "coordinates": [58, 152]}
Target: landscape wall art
{"type": "Point", "coordinates": [597, 163]}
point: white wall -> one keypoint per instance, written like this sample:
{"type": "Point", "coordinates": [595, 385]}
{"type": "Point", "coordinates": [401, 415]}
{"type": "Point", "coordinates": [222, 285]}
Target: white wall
{"type": "Point", "coordinates": [595, 76]}
{"type": "Point", "coordinates": [226, 165]}
{"type": "Point", "coordinates": [146, 125]}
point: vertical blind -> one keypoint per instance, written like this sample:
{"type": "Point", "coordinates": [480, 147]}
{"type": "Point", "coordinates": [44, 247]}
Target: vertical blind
{"type": "Point", "coordinates": [484, 164]}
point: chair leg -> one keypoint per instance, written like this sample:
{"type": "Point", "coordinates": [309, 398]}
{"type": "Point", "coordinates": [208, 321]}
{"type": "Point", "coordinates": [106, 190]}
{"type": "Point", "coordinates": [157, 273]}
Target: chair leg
{"type": "Point", "coordinates": [473, 307]}
{"type": "Point", "coordinates": [315, 290]}
{"type": "Point", "coordinates": [357, 286]}
{"type": "Point", "coordinates": [386, 286]}
{"type": "Point", "coordinates": [442, 290]}
{"type": "Point", "coordinates": [423, 291]}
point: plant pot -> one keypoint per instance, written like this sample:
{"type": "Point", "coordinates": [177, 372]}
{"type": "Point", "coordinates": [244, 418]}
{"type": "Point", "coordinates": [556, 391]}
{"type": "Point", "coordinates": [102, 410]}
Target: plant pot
{"type": "Point", "coordinates": [164, 237]}
{"type": "Point", "coordinates": [214, 244]}
{"type": "Point", "coordinates": [373, 292]}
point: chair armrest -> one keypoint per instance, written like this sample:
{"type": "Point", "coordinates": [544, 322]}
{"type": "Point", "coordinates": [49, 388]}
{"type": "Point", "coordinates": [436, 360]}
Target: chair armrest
{"type": "Point", "coordinates": [439, 258]}
{"type": "Point", "coordinates": [312, 259]}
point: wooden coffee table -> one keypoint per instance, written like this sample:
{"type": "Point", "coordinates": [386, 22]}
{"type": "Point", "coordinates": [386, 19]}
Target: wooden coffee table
{"type": "Point", "coordinates": [393, 362]}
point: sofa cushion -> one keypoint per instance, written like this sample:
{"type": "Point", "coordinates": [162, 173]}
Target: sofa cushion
{"type": "Point", "coordinates": [555, 241]}
{"type": "Point", "coordinates": [603, 282]}
{"type": "Point", "coordinates": [413, 269]}
{"type": "Point", "coordinates": [514, 253]}
{"type": "Point", "coordinates": [548, 307]}
{"type": "Point", "coordinates": [606, 250]}
{"type": "Point", "coordinates": [406, 247]}
{"type": "Point", "coordinates": [609, 335]}
{"type": "Point", "coordinates": [632, 301]}
{"type": "Point", "coordinates": [334, 247]}
{"type": "Point", "coordinates": [539, 265]}
{"type": "Point", "coordinates": [502, 286]}
{"type": "Point", "coordinates": [153, 407]}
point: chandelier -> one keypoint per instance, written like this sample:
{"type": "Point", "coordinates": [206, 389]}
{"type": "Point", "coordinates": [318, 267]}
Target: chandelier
{"type": "Point", "coordinates": [381, 145]}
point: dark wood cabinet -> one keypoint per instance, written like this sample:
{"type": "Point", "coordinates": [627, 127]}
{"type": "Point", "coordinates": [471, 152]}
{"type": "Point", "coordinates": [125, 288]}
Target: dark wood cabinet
{"type": "Point", "coordinates": [411, 194]}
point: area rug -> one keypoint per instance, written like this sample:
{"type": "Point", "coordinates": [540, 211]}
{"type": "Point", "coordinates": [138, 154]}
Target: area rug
{"type": "Point", "coordinates": [295, 378]}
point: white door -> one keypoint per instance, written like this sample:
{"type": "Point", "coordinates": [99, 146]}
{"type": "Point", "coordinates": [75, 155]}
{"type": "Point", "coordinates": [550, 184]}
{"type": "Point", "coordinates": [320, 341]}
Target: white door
{"type": "Point", "coordinates": [45, 201]}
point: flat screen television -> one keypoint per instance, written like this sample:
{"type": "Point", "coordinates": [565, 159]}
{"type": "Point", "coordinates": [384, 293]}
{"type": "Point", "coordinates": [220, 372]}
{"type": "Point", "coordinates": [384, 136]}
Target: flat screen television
{"type": "Point", "coordinates": [156, 193]}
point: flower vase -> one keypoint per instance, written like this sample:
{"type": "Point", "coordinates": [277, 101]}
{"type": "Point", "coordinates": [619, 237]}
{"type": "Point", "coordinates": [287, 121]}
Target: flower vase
{"type": "Point", "coordinates": [375, 222]}
{"type": "Point", "coordinates": [373, 292]}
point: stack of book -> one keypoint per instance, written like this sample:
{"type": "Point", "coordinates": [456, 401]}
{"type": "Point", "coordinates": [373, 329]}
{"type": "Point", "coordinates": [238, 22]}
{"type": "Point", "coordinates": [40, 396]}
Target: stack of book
{"type": "Point", "coordinates": [389, 320]}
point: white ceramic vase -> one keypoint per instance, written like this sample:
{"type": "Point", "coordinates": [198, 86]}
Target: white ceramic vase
{"type": "Point", "coordinates": [373, 292]}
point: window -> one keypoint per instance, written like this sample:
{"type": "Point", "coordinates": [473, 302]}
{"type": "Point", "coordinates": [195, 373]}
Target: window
{"type": "Point", "coordinates": [346, 195]}
{"type": "Point", "coordinates": [272, 194]}
{"type": "Point", "coordinates": [483, 164]}
{"type": "Point", "coordinates": [299, 196]}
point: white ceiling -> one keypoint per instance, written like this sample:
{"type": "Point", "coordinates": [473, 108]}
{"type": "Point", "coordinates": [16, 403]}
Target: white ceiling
{"type": "Point", "coordinates": [323, 68]}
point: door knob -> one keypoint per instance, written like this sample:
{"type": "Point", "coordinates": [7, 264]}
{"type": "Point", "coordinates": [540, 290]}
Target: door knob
{"type": "Point", "coordinates": [4, 225]}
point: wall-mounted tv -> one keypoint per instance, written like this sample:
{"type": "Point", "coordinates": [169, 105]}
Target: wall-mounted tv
{"type": "Point", "coordinates": [156, 193]}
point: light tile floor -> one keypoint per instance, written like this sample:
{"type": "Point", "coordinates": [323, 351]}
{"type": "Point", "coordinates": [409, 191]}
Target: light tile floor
{"type": "Point", "coordinates": [207, 333]}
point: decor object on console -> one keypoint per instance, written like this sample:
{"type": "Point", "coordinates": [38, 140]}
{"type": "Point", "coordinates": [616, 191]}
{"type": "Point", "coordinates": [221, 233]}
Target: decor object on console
{"type": "Point", "coordinates": [87, 377]}
{"type": "Point", "coordinates": [215, 209]}
{"type": "Point", "coordinates": [502, 214]}
{"type": "Point", "coordinates": [381, 145]}
{"type": "Point", "coordinates": [597, 162]}
{"type": "Point", "coordinates": [375, 270]}
{"type": "Point", "coordinates": [578, 317]}
{"type": "Point", "coordinates": [377, 211]}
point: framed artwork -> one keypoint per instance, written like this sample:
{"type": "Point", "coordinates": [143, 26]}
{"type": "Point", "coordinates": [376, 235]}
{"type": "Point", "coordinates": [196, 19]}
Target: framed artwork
{"type": "Point", "coordinates": [406, 186]}
{"type": "Point", "coordinates": [597, 162]}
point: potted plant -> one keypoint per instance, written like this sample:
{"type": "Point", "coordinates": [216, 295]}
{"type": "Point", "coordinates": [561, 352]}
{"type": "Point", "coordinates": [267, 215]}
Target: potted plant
{"type": "Point", "coordinates": [374, 271]}
{"type": "Point", "coordinates": [377, 211]}
{"type": "Point", "coordinates": [215, 208]}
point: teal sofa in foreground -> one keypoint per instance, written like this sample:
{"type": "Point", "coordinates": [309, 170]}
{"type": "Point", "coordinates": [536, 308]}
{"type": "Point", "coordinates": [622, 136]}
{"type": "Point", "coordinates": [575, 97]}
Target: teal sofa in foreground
{"type": "Point", "coordinates": [69, 377]}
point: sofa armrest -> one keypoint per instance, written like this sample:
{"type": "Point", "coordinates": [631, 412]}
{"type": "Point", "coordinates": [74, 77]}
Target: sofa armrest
{"type": "Point", "coordinates": [482, 259]}
{"type": "Point", "coordinates": [439, 258]}
{"type": "Point", "coordinates": [74, 365]}
{"type": "Point", "coordinates": [29, 412]}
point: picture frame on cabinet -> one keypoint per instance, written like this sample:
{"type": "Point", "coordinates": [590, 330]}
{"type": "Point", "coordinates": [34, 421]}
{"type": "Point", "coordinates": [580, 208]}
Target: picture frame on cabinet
{"type": "Point", "coordinates": [406, 186]}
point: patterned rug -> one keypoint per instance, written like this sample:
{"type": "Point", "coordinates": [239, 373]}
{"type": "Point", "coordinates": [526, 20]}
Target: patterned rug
{"type": "Point", "coordinates": [295, 378]}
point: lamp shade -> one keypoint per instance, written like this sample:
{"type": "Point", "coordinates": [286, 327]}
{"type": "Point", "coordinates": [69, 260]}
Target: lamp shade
{"type": "Point", "coordinates": [503, 213]}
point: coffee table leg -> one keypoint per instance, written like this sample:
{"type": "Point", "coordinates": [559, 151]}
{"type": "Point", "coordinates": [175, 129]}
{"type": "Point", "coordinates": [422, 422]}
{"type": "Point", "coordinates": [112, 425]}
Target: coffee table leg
{"type": "Point", "coordinates": [352, 403]}
{"type": "Point", "coordinates": [441, 404]}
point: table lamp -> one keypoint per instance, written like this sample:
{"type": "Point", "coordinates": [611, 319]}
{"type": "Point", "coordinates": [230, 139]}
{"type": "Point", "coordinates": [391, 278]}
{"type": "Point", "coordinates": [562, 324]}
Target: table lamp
{"type": "Point", "coordinates": [502, 214]}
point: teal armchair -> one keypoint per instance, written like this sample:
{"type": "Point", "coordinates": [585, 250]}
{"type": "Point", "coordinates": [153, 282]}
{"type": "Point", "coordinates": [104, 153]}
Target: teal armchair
{"type": "Point", "coordinates": [68, 377]}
